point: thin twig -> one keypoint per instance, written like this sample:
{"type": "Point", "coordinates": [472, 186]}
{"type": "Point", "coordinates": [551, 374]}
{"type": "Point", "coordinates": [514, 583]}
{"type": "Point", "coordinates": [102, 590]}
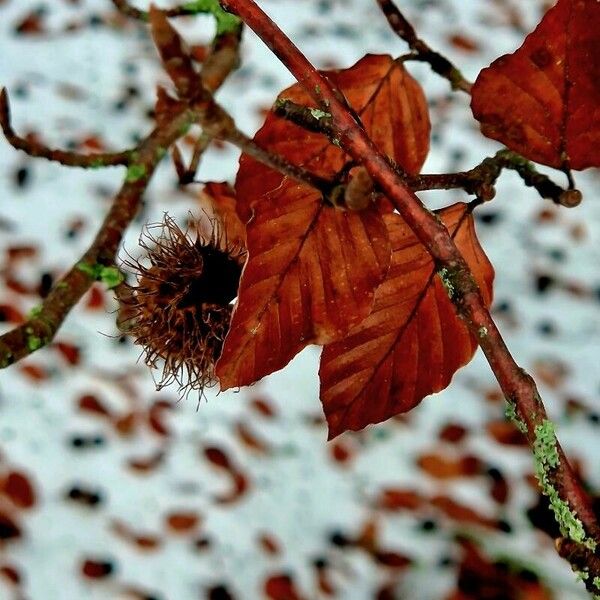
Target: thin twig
{"type": "Point", "coordinates": [421, 51]}
{"type": "Point", "coordinates": [69, 159]}
{"type": "Point", "coordinates": [518, 387]}
{"type": "Point", "coordinates": [40, 328]}
{"type": "Point", "coordinates": [479, 181]}
{"type": "Point", "coordinates": [226, 23]}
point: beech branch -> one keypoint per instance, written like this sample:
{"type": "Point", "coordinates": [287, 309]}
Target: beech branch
{"type": "Point", "coordinates": [570, 503]}
{"type": "Point", "coordinates": [479, 180]}
{"type": "Point", "coordinates": [421, 51]}
{"type": "Point", "coordinates": [97, 263]}
{"type": "Point", "coordinates": [71, 159]}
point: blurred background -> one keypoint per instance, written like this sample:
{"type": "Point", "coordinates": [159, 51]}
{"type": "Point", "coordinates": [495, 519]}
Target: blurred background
{"type": "Point", "coordinates": [110, 489]}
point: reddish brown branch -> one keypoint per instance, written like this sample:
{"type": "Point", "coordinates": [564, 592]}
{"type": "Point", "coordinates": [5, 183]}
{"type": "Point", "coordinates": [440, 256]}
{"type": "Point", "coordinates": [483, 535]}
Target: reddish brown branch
{"type": "Point", "coordinates": [70, 159]}
{"type": "Point", "coordinates": [422, 52]}
{"type": "Point", "coordinates": [517, 385]}
{"type": "Point", "coordinates": [479, 180]}
{"type": "Point", "coordinates": [40, 329]}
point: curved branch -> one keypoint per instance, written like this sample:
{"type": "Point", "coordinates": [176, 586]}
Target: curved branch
{"type": "Point", "coordinates": [479, 180]}
{"type": "Point", "coordinates": [40, 329]}
{"type": "Point", "coordinates": [69, 159]}
{"type": "Point", "coordinates": [135, 13]}
{"type": "Point", "coordinates": [226, 23]}
{"type": "Point", "coordinates": [421, 51]}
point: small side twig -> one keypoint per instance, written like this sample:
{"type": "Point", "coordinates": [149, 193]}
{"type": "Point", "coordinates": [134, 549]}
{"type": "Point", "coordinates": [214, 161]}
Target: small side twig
{"type": "Point", "coordinates": [479, 181]}
{"type": "Point", "coordinates": [187, 175]}
{"type": "Point", "coordinates": [38, 150]}
{"type": "Point", "coordinates": [40, 329]}
{"type": "Point", "coordinates": [42, 326]}
{"type": "Point", "coordinates": [421, 51]}
{"type": "Point", "coordinates": [225, 22]}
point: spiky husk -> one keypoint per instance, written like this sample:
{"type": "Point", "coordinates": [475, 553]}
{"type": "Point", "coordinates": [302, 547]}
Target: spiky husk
{"type": "Point", "coordinates": [180, 308]}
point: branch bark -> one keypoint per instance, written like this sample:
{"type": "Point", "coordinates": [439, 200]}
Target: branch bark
{"type": "Point", "coordinates": [479, 180]}
{"type": "Point", "coordinates": [40, 329]}
{"type": "Point", "coordinates": [70, 159]}
{"type": "Point", "coordinates": [421, 51]}
{"type": "Point", "coordinates": [518, 387]}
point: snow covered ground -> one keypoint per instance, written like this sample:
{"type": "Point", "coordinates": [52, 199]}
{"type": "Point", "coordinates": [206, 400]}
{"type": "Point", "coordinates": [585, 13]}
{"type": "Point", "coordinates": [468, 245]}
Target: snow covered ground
{"type": "Point", "coordinates": [133, 487]}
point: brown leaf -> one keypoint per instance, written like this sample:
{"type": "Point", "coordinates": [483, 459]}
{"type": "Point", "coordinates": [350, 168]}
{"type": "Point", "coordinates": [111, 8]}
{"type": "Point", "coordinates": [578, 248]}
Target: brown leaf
{"type": "Point", "coordinates": [11, 574]}
{"type": "Point", "coordinates": [146, 464]}
{"type": "Point", "coordinates": [143, 541]}
{"type": "Point", "coordinates": [341, 452]}
{"type": "Point", "coordinates": [95, 299]}
{"type": "Point", "coordinates": [269, 544]}
{"type": "Point", "coordinates": [239, 481]}
{"type": "Point", "coordinates": [312, 269]}
{"type": "Point", "coordinates": [281, 587]}
{"type": "Point", "coordinates": [479, 577]}
{"type": "Point", "coordinates": [389, 558]}
{"type": "Point", "coordinates": [453, 433]}
{"type": "Point", "coordinates": [36, 373]}
{"type": "Point", "coordinates": [263, 407]}
{"type": "Point", "coordinates": [461, 513]}
{"type": "Point", "coordinates": [250, 439]}
{"type": "Point", "coordinates": [96, 569]}
{"type": "Point", "coordinates": [92, 404]}
{"type": "Point", "coordinates": [542, 101]}
{"type": "Point", "coordinates": [9, 529]}
{"type": "Point", "coordinates": [70, 352]}
{"type": "Point", "coordinates": [504, 432]}
{"type": "Point", "coordinates": [412, 343]}
{"type": "Point", "coordinates": [156, 417]}
{"type": "Point", "coordinates": [10, 314]}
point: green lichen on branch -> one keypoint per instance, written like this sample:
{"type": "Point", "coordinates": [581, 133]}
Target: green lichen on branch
{"type": "Point", "coordinates": [544, 448]}
{"type": "Point", "coordinates": [135, 172]}
{"type": "Point", "coordinates": [444, 275]}
{"type": "Point", "coordinates": [34, 343]}
{"type": "Point", "coordinates": [110, 276]}
{"type": "Point", "coordinates": [319, 114]}
{"type": "Point", "coordinates": [226, 22]}
{"type": "Point", "coordinates": [511, 415]}
{"type": "Point", "coordinates": [34, 312]}
{"type": "Point", "coordinates": [6, 358]}
{"type": "Point", "coordinates": [546, 459]}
